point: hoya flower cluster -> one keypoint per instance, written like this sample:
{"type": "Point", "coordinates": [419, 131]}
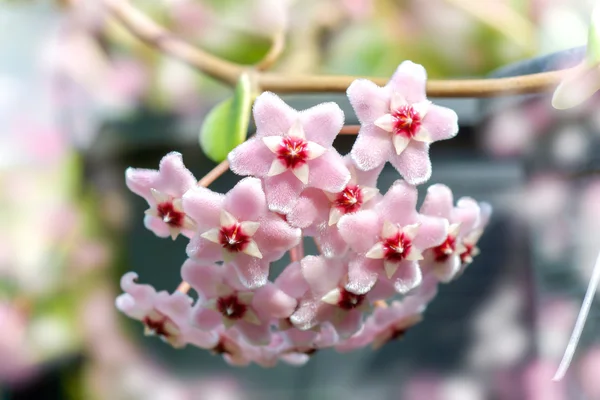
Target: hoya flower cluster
{"type": "Point", "coordinates": [380, 258]}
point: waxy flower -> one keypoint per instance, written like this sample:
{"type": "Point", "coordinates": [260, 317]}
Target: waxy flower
{"type": "Point", "coordinates": [238, 228]}
{"type": "Point", "coordinates": [164, 315]}
{"type": "Point", "coordinates": [318, 212]}
{"type": "Point", "coordinates": [163, 190]}
{"type": "Point", "coordinates": [292, 150]}
{"type": "Point", "coordinates": [223, 300]}
{"type": "Point", "coordinates": [392, 237]}
{"type": "Point", "coordinates": [446, 259]}
{"type": "Point", "coordinates": [470, 241]}
{"type": "Point", "coordinates": [398, 123]}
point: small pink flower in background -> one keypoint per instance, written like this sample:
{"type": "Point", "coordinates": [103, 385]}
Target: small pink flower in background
{"type": "Point", "coordinates": [391, 238]}
{"type": "Point", "coordinates": [223, 300]}
{"type": "Point", "coordinates": [318, 212]}
{"type": "Point", "coordinates": [164, 315]}
{"type": "Point", "coordinates": [588, 368]}
{"type": "Point", "coordinates": [163, 190]}
{"type": "Point", "coordinates": [18, 362]}
{"type": "Point", "coordinates": [538, 384]}
{"type": "Point", "coordinates": [238, 228]}
{"type": "Point", "coordinates": [398, 123]}
{"type": "Point", "coordinates": [472, 238]}
{"type": "Point", "coordinates": [445, 260]}
{"type": "Point", "coordinates": [292, 150]}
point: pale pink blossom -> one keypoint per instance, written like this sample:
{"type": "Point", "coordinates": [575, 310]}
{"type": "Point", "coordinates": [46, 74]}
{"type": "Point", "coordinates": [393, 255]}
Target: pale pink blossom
{"type": "Point", "coordinates": [398, 123]}
{"type": "Point", "coordinates": [163, 190]}
{"type": "Point", "coordinates": [238, 228]}
{"type": "Point", "coordinates": [391, 238]}
{"type": "Point", "coordinates": [445, 260]}
{"type": "Point", "coordinates": [292, 150]}
{"type": "Point", "coordinates": [164, 315]}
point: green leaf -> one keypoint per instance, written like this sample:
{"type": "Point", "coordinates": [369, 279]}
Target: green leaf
{"type": "Point", "coordinates": [593, 45]}
{"type": "Point", "coordinates": [226, 125]}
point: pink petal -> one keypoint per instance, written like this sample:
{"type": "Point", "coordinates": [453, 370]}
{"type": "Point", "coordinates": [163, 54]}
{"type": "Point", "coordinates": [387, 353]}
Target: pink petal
{"type": "Point", "coordinates": [138, 299]}
{"type": "Point", "coordinates": [322, 123]}
{"type": "Point", "coordinates": [203, 206]}
{"type": "Point", "coordinates": [466, 213]}
{"type": "Point", "coordinates": [383, 289]}
{"type": "Point", "coordinates": [360, 278]}
{"type": "Point", "coordinates": [407, 277]}
{"type": "Point", "coordinates": [140, 181]}
{"type": "Point", "coordinates": [441, 123]}
{"type": "Point", "coordinates": [322, 275]}
{"type": "Point", "coordinates": [177, 306]}
{"type": "Point", "coordinates": [246, 201]}
{"type": "Point", "coordinates": [259, 335]}
{"type": "Point", "coordinates": [398, 205]}
{"type": "Point", "coordinates": [205, 318]}
{"type": "Point", "coordinates": [308, 208]}
{"type": "Point", "coordinates": [363, 178]}
{"type": "Point", "coordinates": [275, 236]}
{"type": "Point", "coordinates": [351, 324]}
{"type": "Point", "coordinates": [447, 270]}
{"type": "Point", "coordinates": [438, 201]}
{"type": "Point", "coordinates": [368, 100]}
{"type": "Point", "coordinates": [273, 117]}
{"type": "Point", "coordinates": [328, 172]}
{"type": "Point", "coordinates": [360, 230]}
{"type": "Point", "coordinates": [175, 178]}
{"type": "Point", "coordinates": [202, 339]}
{"type": "Point", "coordinates": [372, 148]}
{"type": "Point", "coordinates": [291, 281]}
{"type": "Point", "coordinates": [252, 157]}
{"type": "Point", "coordinates": [202, 277]}
{"type": "Point", "coordinates": [413, 164]}
{"type": "Point", "coordinates": [252, 272]}
{"type": "Point", "coordinates": [432, 232]}
{"type": "Point", "coordinates": [271, 302]}
{"type": "Point", "coordinates": [305, 316]}
{"type": "Point", "coordinates": [204, 250]}
{"type": "Point", "coordinates": [360, 339]}
{"type": "Point", "coordinates": [157, 226]}
{"type": "Point", "coordinates": [300, 338]}
{"type": "Point", "coordinates": [282, 192]}
{"type": "Point", "coordinates": [484, 216]}
{"type": "Point", "coordinates": [409, 80]}
{"type": "Point", "coordinates": [332, 243]}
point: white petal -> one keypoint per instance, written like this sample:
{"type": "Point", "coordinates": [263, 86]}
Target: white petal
{"type": "Point", "coordinates": [210, 304]}
{"type": "Point", "coordinates": [353, 180]}
{"type": "Point", "coordinates": [385, 122]}
{"type": "Point", "coordinates": [228, 256]}
{"type": "Point", "coordinates": [223, 290]}
{"type": "Point", "coordinates": [422, 108]}
{"type": "Point", "coordinates": [252, 250]}
{"type": "Point", "coordinates": [152, 212]}
{"type": "Point", "coordinates": [245, 297]}
{"type": "Point", "coordinates": [297, 130]}
{"type": "Point", "coordinates": [301, 173]}
{"type": "Point", "coordinates": [368, 193]}
{"type": "Point", "coordinates": [272, 142]}
{"type": "Point", "coordinates": [314, 150]}
{"type": "Point", "coordinates": [331, 196]}
{"type": "Point", "coordinates": [423, 135]}
{"type": "Point", "coordinates": [376, 252]}
{"type": "Point", "coordinates": [227, 219]}
{"type": "Point", "coordinates": [250, 316]}
{"type": "Point", "coordinates": [333, 297]}
{"type": "Point", "coordinates": [453, 230]}
{"type": "Point", "coordinates": [389, 230]}
{"type": "Point", "coordinates": [174, 232]}
{"type": "Point", "coordinates": [475, 252]}
{"type": "Point", "coordinates": [410, 231]}
{"type": "Point", "coordinates": [334, 215]}
{"type": "Point", "coordinates": [178, 204]}
{"type": "Point", "coordinates": [212, 235]}
{"type": "Point", "coordinates": [397, 101]}
{"type": "Point", "coordinates": [158, 196]}
{"type": "Point", "coordinates": [460, 248]}
{"type": "Point", "coordinates": [228, 322]}
{"type": "Point", "coordinates": [277, 167]}
{"type": "Point", "coordinates": [400, 143]}
{"type": "Point", "coordinates": [414, 255]}
{"type": "Point", "coordinates": [390, 268]}
{"type": "Point", "coordinates": [189, 223]}
{"type": "Point", "coordinates": [249, 228]}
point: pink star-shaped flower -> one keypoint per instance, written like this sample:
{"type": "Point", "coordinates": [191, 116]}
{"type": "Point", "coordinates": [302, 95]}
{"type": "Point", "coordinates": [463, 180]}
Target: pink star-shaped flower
{"type": "Point", "coordinates": [398, 123]}
{"type": "Point", "coordinates": [470, 240]}
{"type": "Point", "coordinates": [318, 212]}
{"type": "Point", "coordinates": [164, 315]}
{"type": "Point", "coordinates": [292, 150]}
{"type": "Point", "coordinates": [445, 260]}
{"type": "Point", "coordinates": [238, 228]}
{"type": "Point", "coordinates": [391, 238]}
{"type": "Point", "coordinates": [163, 190]}
{"type": "Point", "coordinates": [223, 300]}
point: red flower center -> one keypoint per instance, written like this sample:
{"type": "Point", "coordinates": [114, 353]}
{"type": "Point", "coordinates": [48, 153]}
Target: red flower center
{"type": "Point", "coordinates": [158, 326]}
{"type": "Point", "coordinates": [231, 307]}
{"type": "Point", "coordinates": [233, 238]}
{"type": "Point", "coordinates": [397, 247]}
{"type": "Point", "coordinates": [407, 121]}
{"type": "Point", "coordinates": [445, 250]}
{"type": "Point", "coordinates": [170, 215]}
{"type": "Point", "coordinates": [349, 300]}
{"type": "Point", "coordinates": [293, 152]}
{"type": "Point", "coordinates": [349, 200]}
{"type": "Point", "coordinates": [467, 255]}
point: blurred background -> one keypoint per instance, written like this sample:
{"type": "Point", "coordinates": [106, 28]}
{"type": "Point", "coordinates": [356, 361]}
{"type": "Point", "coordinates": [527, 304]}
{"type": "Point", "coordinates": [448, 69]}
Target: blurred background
{"type": "Point", "coordinates": [81, 99]}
